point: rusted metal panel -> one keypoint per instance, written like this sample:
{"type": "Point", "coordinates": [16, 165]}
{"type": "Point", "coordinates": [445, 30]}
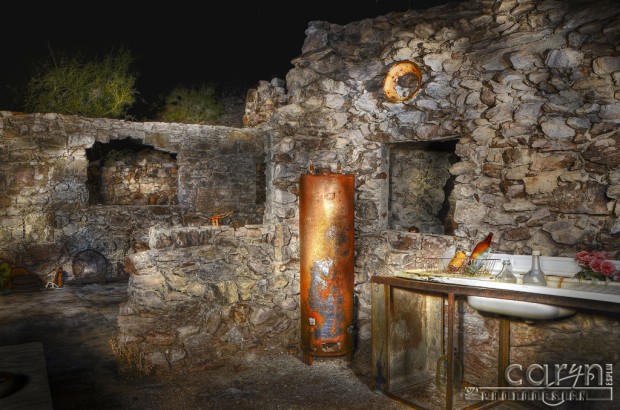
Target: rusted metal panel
{"type": "Point", "coordinates": [326, 239]}
{"type": "Point", "coordinates": [380, 345]}
{"type": "Point", "coordinates": [450, 381]}
{"type": "Point", "coordinates": [504, 351]}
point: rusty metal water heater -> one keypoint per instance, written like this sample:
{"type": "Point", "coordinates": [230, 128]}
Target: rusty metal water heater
{"type": "Point", "coordinates": [326, 238]}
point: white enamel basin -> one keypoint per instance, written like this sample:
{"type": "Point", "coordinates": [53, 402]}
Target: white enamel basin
{"type": "Point", "coordinates": [537, 311]}
{"type": "Point", "coordinates": [559, 272]}
{"type": "Point", "coordinates": [519, 309]}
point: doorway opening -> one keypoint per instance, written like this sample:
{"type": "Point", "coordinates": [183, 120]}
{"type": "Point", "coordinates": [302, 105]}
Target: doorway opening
{"type": "Point", "coordinates": [420, 186]}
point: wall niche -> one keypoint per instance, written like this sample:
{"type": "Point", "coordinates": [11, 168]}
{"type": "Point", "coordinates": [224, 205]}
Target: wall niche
{"type": "Point", "coordinates": [420, 184]}
{"type": "Point", "coordinates": [127, 172]}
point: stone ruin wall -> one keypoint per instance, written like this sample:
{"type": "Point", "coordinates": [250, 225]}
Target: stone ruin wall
{"type": "Point", "coordinates": [47, 210]}
{"type": "Point", "coordinates": [202, 295]}
{"type": "Point", "coordinates": [529, 91]}
{"type": "Point", "coordinates": [148, 177]}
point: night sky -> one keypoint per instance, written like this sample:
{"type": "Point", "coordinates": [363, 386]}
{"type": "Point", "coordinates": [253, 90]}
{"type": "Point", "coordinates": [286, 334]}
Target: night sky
{"type": "Point", "coordinates": [226, 42]}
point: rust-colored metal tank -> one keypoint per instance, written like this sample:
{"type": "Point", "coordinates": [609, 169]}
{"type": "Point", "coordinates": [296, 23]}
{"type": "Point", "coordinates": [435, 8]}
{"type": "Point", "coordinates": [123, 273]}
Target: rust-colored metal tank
{"type": "Point", "coordinates": [326, 238]}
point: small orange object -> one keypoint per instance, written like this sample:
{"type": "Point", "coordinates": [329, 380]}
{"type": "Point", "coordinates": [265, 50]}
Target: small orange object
{"type": "Point", "coordinates": [215, 219]}
{"type": "Point", "coordinates": [457, 261]}
{"type": "Point", "coordinates": [481, 247]}
{"type": "Point", "coordinates": [395, 75]}
{"type": "Point", "coordinates": [58, 277]}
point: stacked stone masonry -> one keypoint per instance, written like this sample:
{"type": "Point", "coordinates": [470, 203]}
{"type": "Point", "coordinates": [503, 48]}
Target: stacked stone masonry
{"type": "Point", "coordinates": [48, 211]}
{"type": "Point", "coordinates": [528, 93]}
{"type": "Point", "coordinates": [145, 178]}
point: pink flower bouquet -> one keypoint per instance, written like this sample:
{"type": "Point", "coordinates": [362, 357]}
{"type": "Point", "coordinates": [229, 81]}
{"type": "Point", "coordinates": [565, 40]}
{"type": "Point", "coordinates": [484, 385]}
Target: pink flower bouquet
{"type": "Point", "coordinates": [596, 266]}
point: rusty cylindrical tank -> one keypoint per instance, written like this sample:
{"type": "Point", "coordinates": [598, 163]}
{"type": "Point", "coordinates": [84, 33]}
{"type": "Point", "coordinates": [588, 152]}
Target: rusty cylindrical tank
{"type": "Point", "coordinates": [326, 239]}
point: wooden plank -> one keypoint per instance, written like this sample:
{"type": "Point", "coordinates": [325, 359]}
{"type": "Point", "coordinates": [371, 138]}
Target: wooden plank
{"type": "Point", "coordinates": [26, 360]}
{"type": "Point", "coordinates": [379, 323]}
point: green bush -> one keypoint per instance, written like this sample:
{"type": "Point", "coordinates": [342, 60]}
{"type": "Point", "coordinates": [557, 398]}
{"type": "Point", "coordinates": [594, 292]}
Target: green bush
{"type": "Point", "coordinates": [89, 88]}
{"type": "Point", "coordinates": [197, 105]}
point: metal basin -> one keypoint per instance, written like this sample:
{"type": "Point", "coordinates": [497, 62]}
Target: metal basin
{"type": "Point", "coordinates": [519, 309]}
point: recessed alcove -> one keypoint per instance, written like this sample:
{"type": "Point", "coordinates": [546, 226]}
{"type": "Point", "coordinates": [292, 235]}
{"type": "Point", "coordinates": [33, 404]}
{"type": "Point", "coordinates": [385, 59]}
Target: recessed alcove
{"type": "Point", "coordinates": [420, 186]}
{"type": "Point", "coordinates": [128, 172]}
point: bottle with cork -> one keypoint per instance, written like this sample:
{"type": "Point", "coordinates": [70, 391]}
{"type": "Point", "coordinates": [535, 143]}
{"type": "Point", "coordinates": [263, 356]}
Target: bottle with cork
{"type": "Point", "coordinates": [481, 247]}
{"type": "Point", "coordinates": [535, 275]}
{"type": "Point", "coordinates": [479, 255]}
{"type": "Point", "coordinates": [506, 275]}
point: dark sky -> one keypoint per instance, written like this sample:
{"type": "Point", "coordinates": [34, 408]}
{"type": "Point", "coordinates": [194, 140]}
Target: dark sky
{"type": "Point", "coordinates": [176, 43]}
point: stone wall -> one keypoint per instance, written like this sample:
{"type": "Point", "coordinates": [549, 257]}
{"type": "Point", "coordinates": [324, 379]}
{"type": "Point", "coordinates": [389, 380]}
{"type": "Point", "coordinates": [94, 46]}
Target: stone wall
{"type": "Point", "coordinates": [527, 92]}
{"type": "Point", "coordinates": [420, 187]}
{"type": "Point", "coordinates": [263, 100]}
{"type": "Point", "coordinates": [148, 177]}
{"type": "Point", "coordinates": [47, 215]}
{"type": "Point", "coordinates": [202, 294]}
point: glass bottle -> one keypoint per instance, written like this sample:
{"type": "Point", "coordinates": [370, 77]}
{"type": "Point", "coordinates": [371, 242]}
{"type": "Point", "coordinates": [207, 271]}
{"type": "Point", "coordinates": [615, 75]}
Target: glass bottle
{"type": "Point", "coordinates": [482, 260]}
{"type": "Point", "coordinates": [481, 247]}
{"type": "Point", "coordinates": [506, 275]}
{"type": "Point", "coordinates": [457, 260]}
{"type": "Point", "coordinates": [535, 275]}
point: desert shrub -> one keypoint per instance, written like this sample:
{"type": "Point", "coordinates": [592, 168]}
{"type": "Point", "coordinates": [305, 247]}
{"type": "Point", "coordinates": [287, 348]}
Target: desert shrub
{"type": "Point", "coordinates": [197, 105]}
{"type": "Point", "coordinates": [72, 85]}
{"type": "Point", "coordinates": [129, 359]}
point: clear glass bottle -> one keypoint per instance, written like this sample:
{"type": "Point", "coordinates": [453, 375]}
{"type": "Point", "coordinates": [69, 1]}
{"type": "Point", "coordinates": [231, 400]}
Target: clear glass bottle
{"type": "Point", "coordinates": [482, 261]}
{"type": "Point", "coordinates": [535, 275]}
{"type": "Point", "coordinates": [506, 275]}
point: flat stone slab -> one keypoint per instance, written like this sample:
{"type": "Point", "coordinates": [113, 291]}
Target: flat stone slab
{"type": "Point", "coordinates": [27, 361]}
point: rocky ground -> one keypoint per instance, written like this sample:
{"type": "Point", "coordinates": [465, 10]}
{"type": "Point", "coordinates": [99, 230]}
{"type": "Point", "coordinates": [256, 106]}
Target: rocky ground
{"type": "Point", "coordinates": [76, 323]}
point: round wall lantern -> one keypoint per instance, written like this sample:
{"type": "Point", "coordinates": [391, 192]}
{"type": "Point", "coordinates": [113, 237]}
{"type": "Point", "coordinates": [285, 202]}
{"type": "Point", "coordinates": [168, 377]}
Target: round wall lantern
{"type": "Point", "coordinates": [402, 81]}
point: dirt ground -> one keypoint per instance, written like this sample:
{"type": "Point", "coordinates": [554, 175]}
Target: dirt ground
{"type": "Point", "coordinates": [75, 325]}
{"type": "Point", "coordinates": [276, 382]}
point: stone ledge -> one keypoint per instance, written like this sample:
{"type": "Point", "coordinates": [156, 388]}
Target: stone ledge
{"type": "Point", "coordinates": [26, 360]}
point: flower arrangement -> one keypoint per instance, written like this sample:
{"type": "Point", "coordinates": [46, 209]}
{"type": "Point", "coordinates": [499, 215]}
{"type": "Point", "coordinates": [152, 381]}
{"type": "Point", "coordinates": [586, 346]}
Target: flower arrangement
{"type": "Point", "coordinates": [596, 266]}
